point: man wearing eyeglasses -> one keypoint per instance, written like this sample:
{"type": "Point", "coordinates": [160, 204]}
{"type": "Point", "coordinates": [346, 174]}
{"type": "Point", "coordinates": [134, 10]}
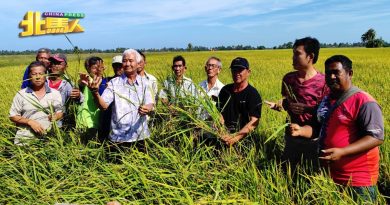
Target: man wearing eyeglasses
{"type": "Point", "coordinates": [212, 85]}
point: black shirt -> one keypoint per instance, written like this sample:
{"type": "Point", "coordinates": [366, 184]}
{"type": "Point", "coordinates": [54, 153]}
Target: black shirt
{"type": "Point", "coordinates": [237, 108]}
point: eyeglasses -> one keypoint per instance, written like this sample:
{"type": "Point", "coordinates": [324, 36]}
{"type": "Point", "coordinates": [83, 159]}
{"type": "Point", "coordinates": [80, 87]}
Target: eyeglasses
{"type": "Point", "coordinates": [212, 65]}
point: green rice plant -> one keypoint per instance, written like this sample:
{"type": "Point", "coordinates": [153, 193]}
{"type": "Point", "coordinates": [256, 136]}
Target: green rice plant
{"type": "Point", "coordinates": [174, 169]}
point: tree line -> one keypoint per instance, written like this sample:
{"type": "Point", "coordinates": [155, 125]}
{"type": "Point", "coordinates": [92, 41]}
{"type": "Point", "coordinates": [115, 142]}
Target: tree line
{"type": "Point", "coordinates": [368, 40]}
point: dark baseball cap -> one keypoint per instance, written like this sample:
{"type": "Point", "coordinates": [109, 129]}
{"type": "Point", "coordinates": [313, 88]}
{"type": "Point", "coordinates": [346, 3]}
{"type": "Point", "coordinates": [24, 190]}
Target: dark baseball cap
{"type": "Point", "coordinates": [239, 63]}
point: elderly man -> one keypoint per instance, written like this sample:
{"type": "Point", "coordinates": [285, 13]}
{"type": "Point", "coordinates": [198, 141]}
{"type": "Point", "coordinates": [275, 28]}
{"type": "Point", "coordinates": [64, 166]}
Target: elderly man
{"type": "Point", "coordinates": [149, 78]}
{"type": "Point", "coordinates": [131, 99]}
{"type": "Point", "coordinates": [34, 107]}
{"type": "Point", "coordinates": [239, 103]}
{"type": "Point", "coordinates": [212, 86]}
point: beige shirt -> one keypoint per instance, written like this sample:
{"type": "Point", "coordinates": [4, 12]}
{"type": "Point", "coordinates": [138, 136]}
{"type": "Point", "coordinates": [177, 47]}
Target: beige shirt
{"type": "Point", "coordinates": [27, 105]}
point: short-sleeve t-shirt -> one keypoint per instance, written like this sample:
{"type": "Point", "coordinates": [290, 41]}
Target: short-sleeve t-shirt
{"type": "Point", "coordinates": [355, 118]}
{"type": "Point", "coordinates": [238, 107]}
{"type": "Point", "coordinates": [309, 92]}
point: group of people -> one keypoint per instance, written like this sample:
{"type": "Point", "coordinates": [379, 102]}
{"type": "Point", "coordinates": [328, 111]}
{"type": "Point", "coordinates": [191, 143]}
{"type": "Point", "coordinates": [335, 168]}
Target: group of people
{"type": "Point", "coordinates": [329, 118]}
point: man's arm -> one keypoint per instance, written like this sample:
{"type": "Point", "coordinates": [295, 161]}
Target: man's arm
{"type": "Point", "coordinates": [35, 126]}
{"type": "Point", "coordinates": [364, 144]}
{"type": "Point", "coordinates": [231, 139]}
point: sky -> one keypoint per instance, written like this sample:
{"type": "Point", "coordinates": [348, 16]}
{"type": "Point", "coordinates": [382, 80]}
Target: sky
{"type": "Point", "coordinates": [110, 24]}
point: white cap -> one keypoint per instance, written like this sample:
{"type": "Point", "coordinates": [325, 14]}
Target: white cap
{"type": "Point", "coordinates": [117, 59]}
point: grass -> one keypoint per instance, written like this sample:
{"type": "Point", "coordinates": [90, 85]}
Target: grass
{"type": "Point", "coordinates": [174, 170]}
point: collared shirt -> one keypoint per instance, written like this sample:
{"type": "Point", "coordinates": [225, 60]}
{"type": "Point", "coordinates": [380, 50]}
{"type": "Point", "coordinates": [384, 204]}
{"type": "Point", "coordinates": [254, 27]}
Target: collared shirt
{"type": "Point", "coordinates": [26, 104]}
{"type": "Point", "coordinates": [126, 123]}
{"type": "Point", "coordinates": [152, 85]}
{"type": "Point", "coordinates": [65, 89]}
{"type": "Point", "coordinates": [172, 91]}
{"type": "Point", "coordinates": [214, 91]}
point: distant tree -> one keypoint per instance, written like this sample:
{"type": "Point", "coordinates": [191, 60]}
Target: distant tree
{"type": "Point", "coordinates": [369, 40]}
{"type": "Point", "coordinates": [189, 47]}
{"type": "Point", "coordinates": [368, 36]}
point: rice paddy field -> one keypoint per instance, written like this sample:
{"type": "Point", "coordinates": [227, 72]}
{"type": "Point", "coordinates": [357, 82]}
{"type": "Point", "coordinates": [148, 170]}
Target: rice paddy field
{"type": "Point", "coordinates": [174, 169]}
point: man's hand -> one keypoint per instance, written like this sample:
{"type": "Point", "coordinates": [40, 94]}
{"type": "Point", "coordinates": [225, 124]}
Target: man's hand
{"type": "Point", "coordinates": [295, 130]}
{"type": "Point", "coordinates": [75, 94]}
{"type": "Point", "coordinates": [84, 78]}
{"type": "Point", "coordinates": [298, 108]}
{"type": "Point", "coordinates": [145, 109]}
{"type": "Point", "coordinates": [95, 83]}
{"type": "Point", "coordinates": [273, 105]}
{"type": "Point", "coordinates": [230, 140]}
{"type": "Point", "coordinates": [333, 154]}
{"type": "Point", "coordinates": [36, 127]}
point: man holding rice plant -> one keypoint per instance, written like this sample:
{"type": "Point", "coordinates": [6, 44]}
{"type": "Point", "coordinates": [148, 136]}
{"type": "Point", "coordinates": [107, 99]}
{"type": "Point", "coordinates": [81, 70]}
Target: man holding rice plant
{"type": "Point", "coordinates": [352, 129]}
{"type": "Point", "coordinates": [239, 104]}
{"type": "Point", "coordinates": [132, 101]}
{"type": "Point", "coordinates": [35, 108]}
{"type": "Point", "coordinates": [212, 85]}
{"type": "Point", "coordinates": [302, 91]}
{"type": "Point", "coordinates": [58, 65]}
{"type": "Point", "coordinates": [178, 88]}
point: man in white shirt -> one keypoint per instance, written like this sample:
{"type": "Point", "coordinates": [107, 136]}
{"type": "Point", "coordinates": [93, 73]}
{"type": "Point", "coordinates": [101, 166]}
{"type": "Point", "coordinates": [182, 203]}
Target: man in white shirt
{"type": "Point", "coordinates": [212, 85]}
{"type": "Point", "coordinates": [177, 87]}
{"type": "Point", "coordinates": [150, 79]}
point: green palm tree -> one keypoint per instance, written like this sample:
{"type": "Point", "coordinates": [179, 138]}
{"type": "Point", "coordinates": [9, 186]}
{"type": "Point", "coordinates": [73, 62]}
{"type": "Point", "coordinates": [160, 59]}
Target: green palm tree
{"type": "Point", "coordinates": [368, 36]}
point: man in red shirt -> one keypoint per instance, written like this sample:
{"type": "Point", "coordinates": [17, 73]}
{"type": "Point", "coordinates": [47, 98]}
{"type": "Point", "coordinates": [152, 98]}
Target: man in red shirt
{"type": "Point", "coordinates": [352, 129]}
{"type": "Point", "coordinates": [302, 91]}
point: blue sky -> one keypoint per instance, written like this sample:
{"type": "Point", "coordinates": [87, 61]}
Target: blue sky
{"type": "Point", "coordinates": [175, 23]}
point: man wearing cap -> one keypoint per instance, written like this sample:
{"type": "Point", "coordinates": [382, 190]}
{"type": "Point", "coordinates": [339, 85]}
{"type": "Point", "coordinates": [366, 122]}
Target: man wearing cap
{"type": "Point", "coordinates": [239, 103]}
{"type": "Point", "coordinates": [58, 64]}
{"type": "Point", "coordinates": [116, 66]}
{"type": "Point", "coordinates": [43, 55]}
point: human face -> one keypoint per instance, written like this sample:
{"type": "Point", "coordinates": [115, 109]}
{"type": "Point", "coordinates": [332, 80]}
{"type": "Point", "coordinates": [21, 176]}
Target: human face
{"type": "Point", "coordinates": [129, 64]}
{"type": "Point", "coordinates": [179, 69]}
{"type": "Point", "coordinates": [37, 75]}
{"type": "Point", "coordinates": [337, 78]}
{"type": "Point", "coordinates": [118, 69]}
{"type": "Point", "coordinates": [97, 69]}
{"type": "Point", "coordinates": [240, 75]}
{"type": "Point", "coordinates": [301, 59]}
{"type": "Point", "coordinates": [141, 65]}
{"type": "Point", "coordinates": [212, 68]}
{"type": "Point", "coordinates": [44, 58]}
{"type": "Point", "coordinates": [57, 68]}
